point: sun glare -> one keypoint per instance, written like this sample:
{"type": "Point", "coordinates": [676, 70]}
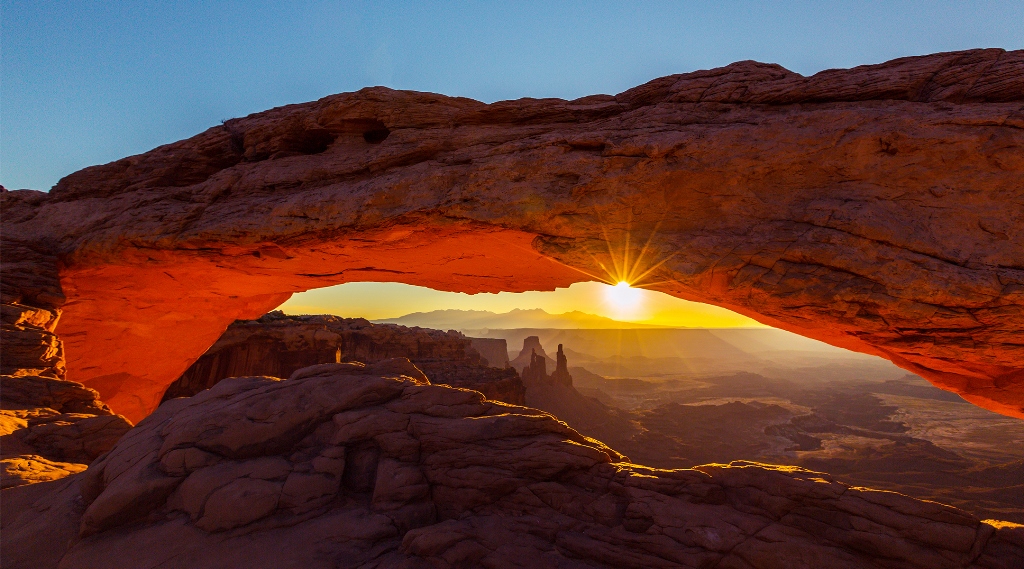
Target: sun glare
{"type": "Point", "coordinates": [623, 299]}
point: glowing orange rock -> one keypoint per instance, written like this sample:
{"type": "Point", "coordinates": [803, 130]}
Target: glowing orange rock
{"type": "Point", "coordinates": [878, 208]}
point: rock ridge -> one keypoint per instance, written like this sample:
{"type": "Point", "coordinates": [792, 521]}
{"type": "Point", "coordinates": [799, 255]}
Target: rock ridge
{"type": "Point", "coordinates": [371, 466]}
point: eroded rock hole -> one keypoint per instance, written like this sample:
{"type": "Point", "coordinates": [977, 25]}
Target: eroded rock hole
{"type": "Point", "coordinates": [376, 135]}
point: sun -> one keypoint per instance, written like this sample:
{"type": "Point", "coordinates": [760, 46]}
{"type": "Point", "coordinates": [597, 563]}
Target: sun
{"type": "Point", "coordinates": [623, 298]}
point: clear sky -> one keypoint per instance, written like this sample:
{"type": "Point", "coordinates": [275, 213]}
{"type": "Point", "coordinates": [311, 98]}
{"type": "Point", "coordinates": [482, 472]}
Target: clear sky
{"type": "Point", "coordinates": [85, 83]}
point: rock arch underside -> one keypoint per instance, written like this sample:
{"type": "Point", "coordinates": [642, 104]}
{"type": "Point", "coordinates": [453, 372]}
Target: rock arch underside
{"type": "Point", "coordinates": [879, 209]}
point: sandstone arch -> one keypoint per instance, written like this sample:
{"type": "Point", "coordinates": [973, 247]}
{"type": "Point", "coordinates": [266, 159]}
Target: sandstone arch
{"type": "Point", "coordinates": [878, 208]}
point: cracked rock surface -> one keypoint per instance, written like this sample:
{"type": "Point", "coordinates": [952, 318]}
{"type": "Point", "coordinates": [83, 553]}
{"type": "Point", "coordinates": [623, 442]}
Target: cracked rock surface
{"type": "Point", "coordinates": [346, 465]}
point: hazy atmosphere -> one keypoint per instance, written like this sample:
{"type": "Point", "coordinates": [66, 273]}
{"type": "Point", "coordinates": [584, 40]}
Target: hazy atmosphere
{"type": "Point", "coordinates": [377, 301]}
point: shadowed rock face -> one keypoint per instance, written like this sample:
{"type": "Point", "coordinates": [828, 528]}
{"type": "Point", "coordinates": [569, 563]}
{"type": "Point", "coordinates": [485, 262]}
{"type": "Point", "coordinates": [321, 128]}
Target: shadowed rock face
{"type": "Point", "coordinates": [878, 208]}
{"type": "Point", "coordinates": [277, 345]}
{"type": "Point", "coordinates": [371, 466]}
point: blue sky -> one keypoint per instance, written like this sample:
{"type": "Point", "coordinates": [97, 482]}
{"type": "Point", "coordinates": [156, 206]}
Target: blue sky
{"type": "Point", "coordinates": [85, 83]}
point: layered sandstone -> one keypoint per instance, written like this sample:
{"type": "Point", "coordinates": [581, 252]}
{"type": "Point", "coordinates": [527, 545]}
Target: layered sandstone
{"type": "Point", "coordinates": [877, 208]}
{"type": "Point", "coordinates": [277, 345]}
{"type": "Point", "coordinates": [49, 427]}
{"type": "Point", "coordinates": [371, 466]}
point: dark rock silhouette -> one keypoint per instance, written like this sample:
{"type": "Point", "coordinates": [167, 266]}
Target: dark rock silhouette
{"type": "Point", "coordinates": [531, 349]}
{"type": "Point", "coordinates": [561, 374]}
{"type": "Point", "coordinates": [537, 370]}
{"type": "Point", "coordinates": [534, 368]}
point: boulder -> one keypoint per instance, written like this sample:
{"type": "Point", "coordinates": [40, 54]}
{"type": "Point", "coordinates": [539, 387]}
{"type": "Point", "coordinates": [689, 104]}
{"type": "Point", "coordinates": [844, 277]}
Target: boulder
{"type": "Point", "coordinates": [372, 466]}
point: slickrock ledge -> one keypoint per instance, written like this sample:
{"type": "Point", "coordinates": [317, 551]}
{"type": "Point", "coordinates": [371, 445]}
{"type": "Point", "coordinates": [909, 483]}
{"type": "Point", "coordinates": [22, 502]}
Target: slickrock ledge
{"type": "Point", "coordinates": [371, 466]}
{"type": "Point", "coordinates": [50, 428]}
{"type": "Point", "coordinates": [878, 208]}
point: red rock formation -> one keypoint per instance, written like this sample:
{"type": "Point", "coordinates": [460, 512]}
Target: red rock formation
{"type": "Point", "coordinates": [277, 345]}
{"type": "Point", "coordinates": [49, 427]}
{"type": "Point", "coordinates": [877, 208]}
{"type": "Point", "coordinates": [345, 465]}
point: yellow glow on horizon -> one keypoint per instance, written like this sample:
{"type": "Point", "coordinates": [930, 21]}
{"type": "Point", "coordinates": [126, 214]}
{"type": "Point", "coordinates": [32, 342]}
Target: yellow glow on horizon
{"type": "Point", "coordinates": [623, 302]}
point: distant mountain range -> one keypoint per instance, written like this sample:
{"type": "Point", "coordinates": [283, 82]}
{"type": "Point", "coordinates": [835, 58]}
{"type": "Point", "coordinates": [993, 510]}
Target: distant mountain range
{"type": "Point", "coordinates": [453, 319]}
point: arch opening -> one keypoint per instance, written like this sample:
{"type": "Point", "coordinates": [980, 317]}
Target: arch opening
{"type": "Point", "coordinates": [867, 213]}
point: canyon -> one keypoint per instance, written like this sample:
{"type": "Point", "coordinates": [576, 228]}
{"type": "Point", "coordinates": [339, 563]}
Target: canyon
{"type": "Point", "coordinates": [877, 209]}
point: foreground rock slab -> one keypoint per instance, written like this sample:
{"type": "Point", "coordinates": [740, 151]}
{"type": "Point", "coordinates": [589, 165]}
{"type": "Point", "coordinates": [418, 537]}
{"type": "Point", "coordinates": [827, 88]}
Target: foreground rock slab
{"type": "Point", "coordinates": [50, 428]}
{"type": "Point", "coordinates": [345, 465]}
{"type": "Point", "coordinates": [877, 208]}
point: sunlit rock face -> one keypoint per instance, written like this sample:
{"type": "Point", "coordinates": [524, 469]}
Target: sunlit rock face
{"type": "Point", "coordinates": [277, 345]}
{"type": "Point", "coordinates": [49, 427]}
{"type": "Point", "coordinates": [344, 465]}
{"type": "Point", "coordinates": [877, 208]}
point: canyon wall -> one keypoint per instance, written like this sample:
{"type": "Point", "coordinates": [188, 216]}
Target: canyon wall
{"type": "Point", "coordinates": [277, 345]}
{"type": "Point", "coordinates": [878, 208]}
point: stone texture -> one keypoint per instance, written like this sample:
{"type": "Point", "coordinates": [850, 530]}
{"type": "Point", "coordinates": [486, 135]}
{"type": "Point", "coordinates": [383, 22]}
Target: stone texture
{"type": "Point", "coordinates": [28, 391]}
{"type": "Point", "coordinates": [877, 208]}
{"type": "Point", "coordinates": [49, 427]}
{"type": "Point", "coordinates": [33, 469]}
{"type": "Point", "coordinates": [277, 345]}
{"type": "Point", "coordinates": [371, 466]}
